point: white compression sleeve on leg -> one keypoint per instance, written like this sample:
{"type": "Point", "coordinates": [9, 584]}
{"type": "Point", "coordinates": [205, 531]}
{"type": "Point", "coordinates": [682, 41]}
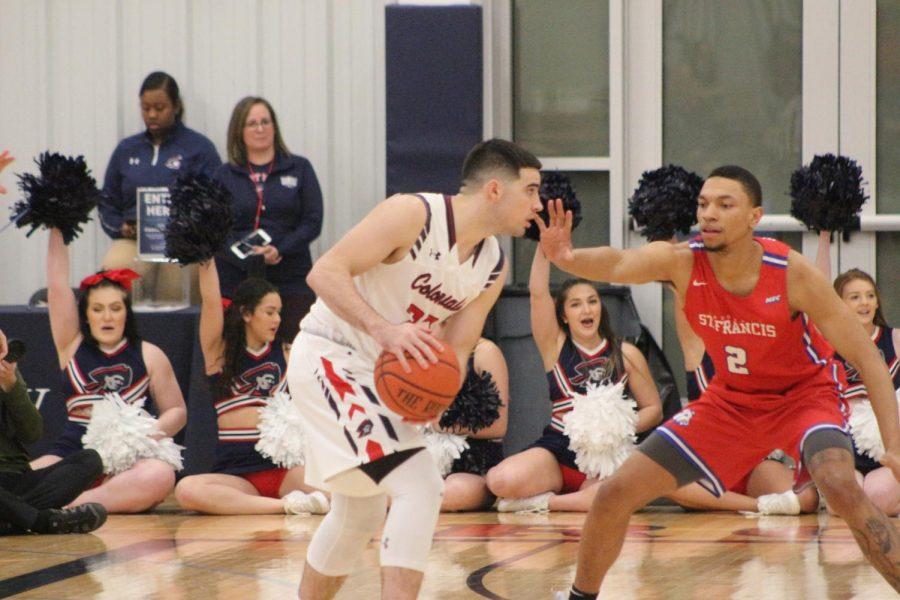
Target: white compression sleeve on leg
{"type": "Point", "coordinates": [344, 532]}
{"type": "Point", "coordinates": [416, 490]}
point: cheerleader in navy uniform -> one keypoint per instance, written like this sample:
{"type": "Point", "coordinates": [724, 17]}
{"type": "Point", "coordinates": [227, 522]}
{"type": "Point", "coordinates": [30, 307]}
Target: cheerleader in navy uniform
{"type": "Point", "coordinates": [578, 347]}
{"type": "Point", "coordinates": [465, 487]}
{"type": "Point", "coordinates": [246, 368]}
{"type": "Point", "coordinates": [101, 353]}
{"type": "Point", "coordinates": [858, 290]}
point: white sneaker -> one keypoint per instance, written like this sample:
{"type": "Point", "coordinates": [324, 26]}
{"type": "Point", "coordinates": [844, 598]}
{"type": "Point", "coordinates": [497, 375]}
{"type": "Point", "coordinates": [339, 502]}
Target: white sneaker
{"type": "Point", "coordinates": [785, 503]}
{"type": "Point", "coordinates": [537, 504]}
{"type": "Point", "coordinates": [300, 503]}
{"type": "Point", "coordinates": [560, 595]}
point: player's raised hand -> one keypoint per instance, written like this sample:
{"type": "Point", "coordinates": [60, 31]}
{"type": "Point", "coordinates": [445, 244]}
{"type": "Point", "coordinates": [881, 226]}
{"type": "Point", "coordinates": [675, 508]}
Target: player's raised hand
{"type": "Point", "coordinates": [412, 338]}
{"type": "Point", "coordinates": [5, 159]}
{"type": "Point", "coordinates": [556, 237]}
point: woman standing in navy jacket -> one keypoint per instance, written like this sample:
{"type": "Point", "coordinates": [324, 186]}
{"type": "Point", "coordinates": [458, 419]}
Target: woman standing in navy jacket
{"type": "Point", "coordinates": [275, 191]}
{"type": "Point", "coordinates": [153, 158]}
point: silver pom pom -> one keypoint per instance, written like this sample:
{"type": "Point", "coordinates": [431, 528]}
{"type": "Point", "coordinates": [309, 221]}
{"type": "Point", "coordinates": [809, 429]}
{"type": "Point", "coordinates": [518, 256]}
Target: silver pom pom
{"type": "Point", "coordinates": [281, 433]}
{"type": "Point", "coordinates": [445, 448]}
{"type": "Point", "coordinates": [864, 429]}
{"type": "Point", "coordinates": [600, 428]}
{"type": "Point", "coordinates": [122, 434]}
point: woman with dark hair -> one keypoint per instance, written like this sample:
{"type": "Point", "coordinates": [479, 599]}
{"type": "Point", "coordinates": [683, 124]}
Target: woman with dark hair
{"type": "Point", "coordinates": [858, 291]}
{"type": "Point", "coordinates": [578, 347]}
{"type": "Point", "coordinates": [154, 158]}
{"type": "Point", "coordinates": [276, 192]}
{"type": "Point", "coordinates": [246, 368]}
{"type": "Point", "coordinates": [100, 352]}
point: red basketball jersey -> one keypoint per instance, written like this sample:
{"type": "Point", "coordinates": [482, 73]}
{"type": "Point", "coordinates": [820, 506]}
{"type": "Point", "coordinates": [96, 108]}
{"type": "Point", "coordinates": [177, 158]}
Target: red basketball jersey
{"type": "Point", "coordinates": [760, 350]}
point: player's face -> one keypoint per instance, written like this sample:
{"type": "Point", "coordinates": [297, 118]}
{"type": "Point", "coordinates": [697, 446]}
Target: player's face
{"type": "Point", "coordinates": [106, 315]}
{"type": "Point", "coordinates": [259, 131]}
{"type": "Point", "coordinates": [581, 311]}
{"type": "Point", "coordinates": [263, 323]}
{"type": "Point", "coordinates": [725, 213]}
{"type": "Point", "coordinates": [860, 296]}
{"type": "Point", "coordinates": [521, 201]}
{"type": "Point", "coordinates": [157, 110]}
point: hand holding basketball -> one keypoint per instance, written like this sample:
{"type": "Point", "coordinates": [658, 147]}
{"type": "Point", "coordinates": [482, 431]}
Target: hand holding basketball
{"type": "Point", "coordinates": [409, 340]}
{"type": "Point", "coordinates": [420, 394]}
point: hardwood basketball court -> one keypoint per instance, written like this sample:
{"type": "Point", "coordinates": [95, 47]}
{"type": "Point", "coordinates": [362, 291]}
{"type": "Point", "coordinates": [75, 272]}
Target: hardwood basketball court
{"type": "Point", "coordinates": [668, 554]}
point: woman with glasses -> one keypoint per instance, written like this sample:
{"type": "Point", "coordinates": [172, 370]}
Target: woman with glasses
{"type": "Point", "coordinates": [154, 158]}
{"type": "Point", "coordinates": [276, 194]}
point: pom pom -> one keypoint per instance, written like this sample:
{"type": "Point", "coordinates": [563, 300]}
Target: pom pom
{"type": "Point", "coordinates": [200, 219]}
{"type": "Point", "coordinates": [121, 434]}
{"type": "Point", "coordinates": [281, 433]}
{"type": "Point", "coordinates": [828, 194]}
{"type": "Point", "coordinates": [665, 202]}
{"type": "Point", "coordinates": [62, 196]}
{"type": "Point", "coordinates": [555, 185]}
{"type": "Point", "coordinates": [600, 428]}
{"type": "Point", "coordinates": [864, 429]}
{"type": "Point", "coordinates": [476, 406]}
{"type": "Point", "coordinates": [444, 448]}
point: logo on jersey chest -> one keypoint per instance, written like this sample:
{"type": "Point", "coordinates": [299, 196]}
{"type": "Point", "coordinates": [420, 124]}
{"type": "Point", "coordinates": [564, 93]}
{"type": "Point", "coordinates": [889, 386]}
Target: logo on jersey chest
{"type": "Point", "coordinates": [422, 285]}
{"type": "Point", "coordinates": [113, 378]}
{"type": "Point", "coordinates": [596, 371]}
{"type": "Point", "coordinates": [261, 380]}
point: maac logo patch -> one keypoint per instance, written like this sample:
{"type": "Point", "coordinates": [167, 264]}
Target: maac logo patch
{"type": "Point", "coordinates": [261, 380]}
{"type": "Point", "coordinates": [684, 417]}
{"type": "Point", "coordinates": [113, 378]}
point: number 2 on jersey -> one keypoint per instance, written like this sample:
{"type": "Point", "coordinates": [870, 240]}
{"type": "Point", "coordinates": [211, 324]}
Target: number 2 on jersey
{"type": "Point", "coordinates": [737, 360]}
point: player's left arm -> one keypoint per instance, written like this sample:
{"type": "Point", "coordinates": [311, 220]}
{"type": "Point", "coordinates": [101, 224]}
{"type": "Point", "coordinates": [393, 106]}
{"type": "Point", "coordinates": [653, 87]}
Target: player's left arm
{"type": "Point", "coordinates": [164, 387]}
{"type": "Point", "coordinates": [463, 329]}
{"type": "Point", "coordinates": [642, 388]}
{"type": "Point", "coordinates": [810, 292]}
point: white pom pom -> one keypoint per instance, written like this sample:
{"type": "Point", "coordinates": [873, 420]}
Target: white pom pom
{"type": "Point", "coordinates": [864, 429]}
{"type": "Point", "coordinates": [445, 448]}
{"type": "Point", "coordinates": [281, 434]}
{"type": "Point", "coordinates": [600, 428]}
{"type": "Point", "coordinates": [122, 434]}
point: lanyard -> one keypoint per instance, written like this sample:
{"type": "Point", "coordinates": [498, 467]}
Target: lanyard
{"type": "Point", "coordinates": [258, 188]}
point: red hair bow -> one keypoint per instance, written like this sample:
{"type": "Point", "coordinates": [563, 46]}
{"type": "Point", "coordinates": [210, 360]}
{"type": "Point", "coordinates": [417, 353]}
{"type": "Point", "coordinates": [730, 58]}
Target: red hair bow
{"type": "Point", "coordinates": [123, 277]}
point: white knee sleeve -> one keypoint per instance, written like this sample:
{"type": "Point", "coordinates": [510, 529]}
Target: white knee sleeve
{"type": "Point", "coordinates": [416, 490]}
{"type": "Point", "coordinates": [342, 537]}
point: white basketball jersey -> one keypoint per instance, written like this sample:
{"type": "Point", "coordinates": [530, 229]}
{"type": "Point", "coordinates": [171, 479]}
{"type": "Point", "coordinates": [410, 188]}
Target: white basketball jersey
{"type": "Point", "coordinates": [428, 285]}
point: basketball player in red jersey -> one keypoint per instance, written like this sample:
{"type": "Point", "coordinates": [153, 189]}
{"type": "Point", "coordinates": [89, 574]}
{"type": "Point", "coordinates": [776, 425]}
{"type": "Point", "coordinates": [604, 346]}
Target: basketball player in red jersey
{"type": "Point", "coordinates": [753, 301]}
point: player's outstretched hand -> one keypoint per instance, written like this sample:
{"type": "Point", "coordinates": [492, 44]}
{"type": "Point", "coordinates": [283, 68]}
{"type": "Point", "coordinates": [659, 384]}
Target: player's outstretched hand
{"type": "Point", "coordinates": [5, 159]}
{"type": "Point", "coordinates": [413, 338]}
{"type": "Point", "coordinates": [891, 460]}
{"type": "Point", "coordinates": [556, 237]}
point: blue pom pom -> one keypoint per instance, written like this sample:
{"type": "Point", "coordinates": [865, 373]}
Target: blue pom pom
{"type": "Point", "coordinates": [827, 194]}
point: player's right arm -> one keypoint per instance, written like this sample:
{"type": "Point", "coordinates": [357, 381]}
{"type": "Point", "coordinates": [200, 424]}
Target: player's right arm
{"type": "Point", "coordinates": [656, 261]}
{"type": "Point", "coordinates": [810, 292]}
{"type": "Point", "coordinates": [383, 236]}
{"type": "Point", "coordinates": [61, 303]}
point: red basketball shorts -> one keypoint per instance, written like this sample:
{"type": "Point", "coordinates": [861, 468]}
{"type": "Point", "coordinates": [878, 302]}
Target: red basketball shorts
{"type": "Point", "coordinates": [725, 441]}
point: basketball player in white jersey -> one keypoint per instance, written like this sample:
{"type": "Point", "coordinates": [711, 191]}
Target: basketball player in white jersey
{"type": "Point", "coordinates": [416, 260]}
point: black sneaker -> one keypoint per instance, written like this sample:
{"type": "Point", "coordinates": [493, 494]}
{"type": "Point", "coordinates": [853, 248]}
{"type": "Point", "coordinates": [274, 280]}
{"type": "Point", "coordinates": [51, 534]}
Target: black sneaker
{"type": "Point", "coordinates": [7, 528]}
{"type": "Point", "coordinates": [79, 519]}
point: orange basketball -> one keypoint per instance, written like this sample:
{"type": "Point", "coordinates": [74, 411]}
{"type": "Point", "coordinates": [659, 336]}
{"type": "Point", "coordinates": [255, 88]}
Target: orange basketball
{"type": "Point", "coordinates": [423, 394]}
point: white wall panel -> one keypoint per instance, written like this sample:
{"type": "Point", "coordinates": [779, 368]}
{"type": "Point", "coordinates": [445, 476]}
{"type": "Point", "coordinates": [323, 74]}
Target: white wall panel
{"type": "Point", "coordinates": [71, 71]}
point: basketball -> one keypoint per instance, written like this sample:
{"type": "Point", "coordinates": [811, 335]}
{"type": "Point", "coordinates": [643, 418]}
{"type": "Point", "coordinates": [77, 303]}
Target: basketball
{"type": "Point", "coordinates": [422, 394]}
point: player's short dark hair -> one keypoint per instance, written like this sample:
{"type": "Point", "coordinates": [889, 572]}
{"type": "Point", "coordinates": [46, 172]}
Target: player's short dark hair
{"type": "Point", "coordinates": [497, 156]}
{"type": "Point", "coordinates": [747, 179]}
